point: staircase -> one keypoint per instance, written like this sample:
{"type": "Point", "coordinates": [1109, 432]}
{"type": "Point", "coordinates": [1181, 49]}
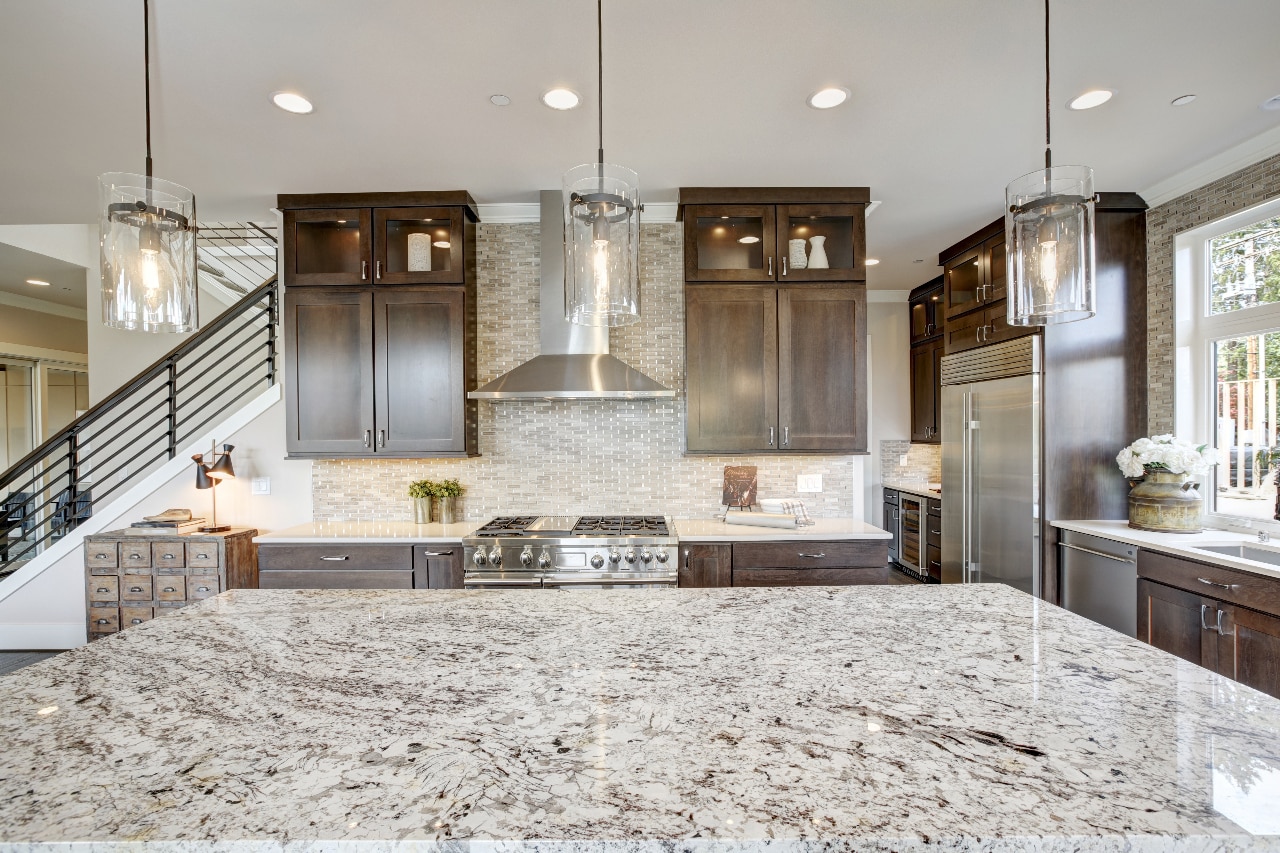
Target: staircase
{"type": "Point", "coordinates": [48, 499]}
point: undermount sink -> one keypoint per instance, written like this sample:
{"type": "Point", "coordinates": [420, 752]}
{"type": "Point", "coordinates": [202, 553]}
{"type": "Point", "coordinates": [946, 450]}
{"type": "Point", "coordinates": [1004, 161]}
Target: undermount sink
{"type": "Point", "coordinates": [1244, 552]}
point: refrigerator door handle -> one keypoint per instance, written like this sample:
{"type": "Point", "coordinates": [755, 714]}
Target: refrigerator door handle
{"type": "Point", "coordinates": [968, 486]}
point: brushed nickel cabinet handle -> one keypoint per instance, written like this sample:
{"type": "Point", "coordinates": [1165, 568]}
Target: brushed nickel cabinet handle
{"type": "Point", "coordinates": [784, 265]}
{"type": "Point", "coordinates": [364, 270]}
{"type": "Point", "coordinates": [437, 553]}
{"type": "Point", "coordinates": [1220, 633]}
{"type": "Point", "coordinates": [771, 436]}
{"type": "Point", "coordinates": [771, 265]}
{"type": "Point", "coordinates": [339, 559]}
{"type": "Point", "coordinates": [1218, 585]}
{"type": "Point", "coordinates": [811, 556]}
{"type": "Point", "coordinates": [377, 270]}
{"type": "Point", "coordinates": [1203, 626]}
{"type": "Point", "coordinates": [368, 438]}
{"type": "Point", "coordinates": [786, 436]}
{"type": "Point", "coordinates": [382, 438]}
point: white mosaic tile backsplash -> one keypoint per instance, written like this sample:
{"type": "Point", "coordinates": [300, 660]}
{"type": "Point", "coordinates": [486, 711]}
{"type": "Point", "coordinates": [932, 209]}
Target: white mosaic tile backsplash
{"type": "Point", "coordinates": [605, 456]}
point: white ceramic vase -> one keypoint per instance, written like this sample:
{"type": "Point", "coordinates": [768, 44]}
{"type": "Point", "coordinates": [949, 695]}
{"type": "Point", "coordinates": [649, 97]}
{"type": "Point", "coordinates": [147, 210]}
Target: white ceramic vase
{"type": "Point", "coordinates": [797, 257]}
{"type": "Point", "coordinates": [818, 255]}
{"type": "Point", "coordinates": [419, 253]}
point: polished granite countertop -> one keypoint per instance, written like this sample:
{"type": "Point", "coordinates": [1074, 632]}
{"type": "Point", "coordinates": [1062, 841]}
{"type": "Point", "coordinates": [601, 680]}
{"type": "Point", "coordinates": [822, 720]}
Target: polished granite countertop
{"type": "Point", "coordinates": [1181, 544]}
{"type": "Point", "coordinates": [370, 532]}
{"type": "Point", "coordinates": [783, 720]}
{"type": "Point", "coordinates": [715, 530]}
{"type": "Point", "coordinates": [915, 487]}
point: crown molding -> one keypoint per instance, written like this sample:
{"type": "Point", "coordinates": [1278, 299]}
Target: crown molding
{"type": "Point", "coordinates": [1218, 166]}
{"type": "Point", "coordinates": [15, 300]}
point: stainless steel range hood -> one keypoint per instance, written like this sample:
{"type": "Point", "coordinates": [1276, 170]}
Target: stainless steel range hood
{"type": "Point", "coordinates": [575, 361]}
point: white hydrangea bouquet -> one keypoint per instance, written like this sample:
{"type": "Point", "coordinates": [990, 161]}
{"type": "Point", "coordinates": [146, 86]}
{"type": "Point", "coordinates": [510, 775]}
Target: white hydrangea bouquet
{"type": "Point", "coordinates": [1166, 454]}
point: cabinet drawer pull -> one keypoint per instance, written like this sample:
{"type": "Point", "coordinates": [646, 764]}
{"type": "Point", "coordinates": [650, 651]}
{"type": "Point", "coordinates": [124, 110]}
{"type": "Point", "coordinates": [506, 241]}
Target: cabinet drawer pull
{"type": "Point", "coordinates": [1215, 583]}
{"type": "Point", "coordinates": [168, 556]}
{"type": "Point", "coordinates": [202, 556]}
{"type": "Point", "coordinates": [364, 270]}
{"type": "Point", "coordinates": [102, 622]}
{"type": "Point", "coordinates": [1203, 626]}
{"type": "Point", "coordinates": [135, 621]}
{"type": "Point", "coordinates": [135, 556]}
{"type": "Point", "coordinates": [169, 589]}
{"type": "Point", "coordinates": [100, 556]}
{"type": "Point", "coordinates": [338, 558]}
{"type": "Point", "coordinates": [437, 553]}
{"type": "Point", "coordinates": [135, 589]}
{"type": "Point", "coordinates": [103, 589]}
{"type": "Point", "coordinates": [202, 589]}
{"type": "Point", "coordinates": [1220, 623]}
{"type": "Point", "coordinates": [811, 556]}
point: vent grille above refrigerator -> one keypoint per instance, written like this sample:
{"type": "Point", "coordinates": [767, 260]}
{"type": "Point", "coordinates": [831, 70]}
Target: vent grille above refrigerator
{"type": "Point", "coordinates": [1019, 357]}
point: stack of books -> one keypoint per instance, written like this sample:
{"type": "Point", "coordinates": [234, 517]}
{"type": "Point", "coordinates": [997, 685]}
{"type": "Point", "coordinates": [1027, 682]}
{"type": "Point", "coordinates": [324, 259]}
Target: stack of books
{"type": "Point", "coordinates": [171, 522]}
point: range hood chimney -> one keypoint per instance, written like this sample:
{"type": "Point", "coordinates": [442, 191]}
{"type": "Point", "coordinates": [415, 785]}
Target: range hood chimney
{"type": "Point", "coordinates": [575, 363]}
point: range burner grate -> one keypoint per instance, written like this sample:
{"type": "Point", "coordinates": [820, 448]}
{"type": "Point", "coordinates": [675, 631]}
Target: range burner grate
{"type": "Point", "coordinates": [506, 525]}
{"type": "Point", "coordinates": [621, 525]}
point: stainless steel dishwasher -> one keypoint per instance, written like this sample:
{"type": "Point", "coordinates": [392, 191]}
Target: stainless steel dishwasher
{"type": "Point", "coordinates": [1100, 580]}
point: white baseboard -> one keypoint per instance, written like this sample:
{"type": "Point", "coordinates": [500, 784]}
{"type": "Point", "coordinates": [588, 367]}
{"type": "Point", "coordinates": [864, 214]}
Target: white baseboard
{"type": "Point", "coordinates": [42, 636]}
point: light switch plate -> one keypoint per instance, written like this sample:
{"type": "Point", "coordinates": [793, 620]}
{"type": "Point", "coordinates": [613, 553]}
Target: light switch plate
{"type": "Point", "coordinates": [808, 482]}
{"type": "Point", "coordinates": [260, 486]}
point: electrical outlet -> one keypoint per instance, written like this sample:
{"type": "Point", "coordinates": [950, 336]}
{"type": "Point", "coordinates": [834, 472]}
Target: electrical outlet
{"type": "Point", "coordinates": [808, 482]}
{"type": "Point", "coordinates": [260, 486]}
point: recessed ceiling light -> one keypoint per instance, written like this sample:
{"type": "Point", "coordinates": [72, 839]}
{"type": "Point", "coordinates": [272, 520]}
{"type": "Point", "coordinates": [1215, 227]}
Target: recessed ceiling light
{"type": "Point", "coordinates": [561, 99]}
{"type": "Point", "coordinates": [1270, 103]}
{"type": "Point", "coordinates": [499, 100]}
{"type": "Point", "coordinates": [918, 261]}
{"type": "Point", "coordinates": [37, 282]}
{"type": "Point", "coordinates": [291, 102]}
{"type": "Point", "coordinates": [1090, 99]}
{"type": "Point", "coordinates": [825, 99]}
{"type": "Point", "coordinates": [1182, 100]}
{"type": "Point", "coordinates": [871, 262]}
{"type": "Point", "coordinates": [749, 239]}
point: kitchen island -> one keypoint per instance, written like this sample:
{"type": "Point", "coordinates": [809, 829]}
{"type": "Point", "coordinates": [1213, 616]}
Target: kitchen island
{"type": "Point", "coordinates": [867, 718]}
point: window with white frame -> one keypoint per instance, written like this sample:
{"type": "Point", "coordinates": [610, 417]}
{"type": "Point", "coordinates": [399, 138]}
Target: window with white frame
{"type": "Point", "coordinates": [1227, 277]}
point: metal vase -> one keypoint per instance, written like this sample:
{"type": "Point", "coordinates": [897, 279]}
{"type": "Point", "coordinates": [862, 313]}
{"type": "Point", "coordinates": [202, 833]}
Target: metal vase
{"type": "Point", "coordinates": [448, 507]}
{"type": "Point", "coordinates": [1166, 503]}
{"type": "Point", "coordinates": [421, 510]}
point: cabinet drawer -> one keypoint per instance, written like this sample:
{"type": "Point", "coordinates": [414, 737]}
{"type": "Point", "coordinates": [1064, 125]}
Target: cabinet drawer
{"type": "Point", "coordinates": [135, 555]}
{"type": "Point", "coordinates": [135, 588]}
{"type": "Point", "coordinates": [135, 615]}
{"type": "Point", "coordinates": [810, 577]}
{"type": "Point", "coordinates": [337, 557]}
{"type": "Point", "coordinates": [1248, 590]}
{"type": "Point", "coordinates": [202, 586]}
{"type": "Point", "coordinates": [811, 555]}
{"type": "Point", "coordinates": [171, 588]}
{"type": "Point", "coordinates": [104, 588]}
{"type": "Point", "coordinates": [100, 556]}
{"type": "Point", "coordinates": [168, 555]}
{"type": "Point", "coordinates": [104, 620]}
{"type": "Point", "coordinates": [891, 496]}
{"type": "Point", "coordinates": [334, 579]}
{"type": "Point", "coordinates": [202, 554]}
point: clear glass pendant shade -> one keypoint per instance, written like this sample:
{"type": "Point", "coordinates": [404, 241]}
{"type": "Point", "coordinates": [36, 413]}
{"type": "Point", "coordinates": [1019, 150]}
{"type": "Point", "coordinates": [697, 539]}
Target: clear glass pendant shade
{"type": "Point", "coordinates": [148, 246]}
{"type": "Point", "coordinates": [601, 245]}
{"type": "Point", "coordinates": [1049, 224]}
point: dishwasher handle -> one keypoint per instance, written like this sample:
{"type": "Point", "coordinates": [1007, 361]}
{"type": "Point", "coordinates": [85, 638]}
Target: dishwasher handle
{"type": "Point", "coordinates": [1096, 553]}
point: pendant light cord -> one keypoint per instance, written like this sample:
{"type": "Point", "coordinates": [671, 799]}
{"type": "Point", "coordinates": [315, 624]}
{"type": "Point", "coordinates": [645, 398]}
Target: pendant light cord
{"type": "Point", "coordinates": [1048, 157]}
{"type": "Point", "coordinates": [600, 81]}
{"type": "Point", "coordinates": [146, 73]}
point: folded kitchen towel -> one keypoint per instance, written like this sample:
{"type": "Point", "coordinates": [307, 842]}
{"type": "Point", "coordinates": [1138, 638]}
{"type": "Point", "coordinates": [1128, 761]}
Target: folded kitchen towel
{"type": "Point", "coordinates": [788, 507]}
{"type": "Point", "coordinates": [761, 519]}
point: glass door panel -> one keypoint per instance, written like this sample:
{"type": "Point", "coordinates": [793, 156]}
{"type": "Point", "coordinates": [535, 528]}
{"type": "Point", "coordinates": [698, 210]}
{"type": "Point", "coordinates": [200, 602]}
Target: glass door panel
{"type": "Point", "coordinates": [327, 246]}
{"type": "Point", "coordinates": [418, 245]}
{"type": "Point", "coordinates": [821, 242]}
{"type": "Point", "coordinates": [730, 243]}
{"type": "Point", "coordinates": [963, 279]}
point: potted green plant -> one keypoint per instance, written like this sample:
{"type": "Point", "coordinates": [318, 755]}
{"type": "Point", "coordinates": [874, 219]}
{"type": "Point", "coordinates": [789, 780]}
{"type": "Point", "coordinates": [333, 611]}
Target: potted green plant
{"type": "Point", "coordinates": [422, 491]}
{"type": "Point", "coordinates": [447, 492]}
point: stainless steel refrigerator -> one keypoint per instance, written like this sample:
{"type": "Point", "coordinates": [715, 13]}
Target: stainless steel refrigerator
{"type": "Point", "coordinates": [992, 410]}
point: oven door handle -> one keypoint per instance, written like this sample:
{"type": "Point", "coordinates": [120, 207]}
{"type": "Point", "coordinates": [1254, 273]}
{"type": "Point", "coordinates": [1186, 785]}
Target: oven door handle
{"type": "Point", "coordinates": [571, 579]}
{"type": "Point", "coordinates": [479, 582]}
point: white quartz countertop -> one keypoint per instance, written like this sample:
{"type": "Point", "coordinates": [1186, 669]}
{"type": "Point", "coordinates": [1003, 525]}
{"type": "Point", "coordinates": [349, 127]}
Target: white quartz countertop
{"type": "Point", "coordinates": [1180, 544]}
{"type": "Point", "coordinates": [372, 532]}
{"type": "Point", "coordinates": [915, 488]}
{"type": "Point", "coordinates": [783, 720]}
{"type": "Point", "coordinates": [713, 530]}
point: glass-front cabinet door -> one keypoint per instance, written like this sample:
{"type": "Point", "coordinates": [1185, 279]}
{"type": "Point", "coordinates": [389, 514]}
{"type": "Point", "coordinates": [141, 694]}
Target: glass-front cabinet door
{"type": "Point", "coordinates": [821, 242]}
{"type": "Point", "coordinates": [964, 277]}
{"type": "Point", "coordinates": [993, 251]}
{"type": "Point", "coordinates": [418, 245]}
{"type": "Point", "coordinates": [327, 246]}
{"type": "Point", "coordinates": [730, 243]}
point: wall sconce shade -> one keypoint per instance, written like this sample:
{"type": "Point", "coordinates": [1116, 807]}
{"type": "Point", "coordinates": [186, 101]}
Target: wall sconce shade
{"type": "Point", "coordinates": [222, 468]}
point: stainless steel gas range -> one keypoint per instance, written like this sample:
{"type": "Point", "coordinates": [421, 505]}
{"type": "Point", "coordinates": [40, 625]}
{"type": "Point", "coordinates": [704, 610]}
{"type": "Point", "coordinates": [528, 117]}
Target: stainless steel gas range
{"type": "Point", "coordinates": [572, 552]}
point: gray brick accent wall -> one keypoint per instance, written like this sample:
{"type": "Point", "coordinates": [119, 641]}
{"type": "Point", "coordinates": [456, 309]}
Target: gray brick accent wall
{"type": "Point", "coordinates": [1237, 191]}
{"type": "Point", "coordinates": [608, 456]}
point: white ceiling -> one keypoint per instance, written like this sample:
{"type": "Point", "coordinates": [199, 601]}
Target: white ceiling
{"type": "Point", "coordinates": [66, 280]}
{"type": "Point", "coordinates": [947, 102]}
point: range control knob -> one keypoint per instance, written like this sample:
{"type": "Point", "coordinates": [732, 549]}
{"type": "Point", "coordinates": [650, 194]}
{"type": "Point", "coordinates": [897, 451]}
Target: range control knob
{"type": "Point", "coordinates": [646, 556]}
{"type": "Point", "coordinates": [596, 561]}
{"type": "Point", "coordinates": [630, 556]}
{"type": "Point", "coordinates": [544, 560]}
{"type": "Point", "coordinates": [615, 556]}
{"type": "Point", "coordinates": [495, 557]}
{"type": "Point", "coordinates": [526, 557]}
{"type": "Point", "coordinates": [478, 558]}
{"type": "Point", "coordinates": [662, 556]}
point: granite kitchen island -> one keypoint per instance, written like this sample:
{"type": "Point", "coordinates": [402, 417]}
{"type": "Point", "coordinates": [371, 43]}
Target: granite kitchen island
{"type": "Point", "coordinates": [797, 719]}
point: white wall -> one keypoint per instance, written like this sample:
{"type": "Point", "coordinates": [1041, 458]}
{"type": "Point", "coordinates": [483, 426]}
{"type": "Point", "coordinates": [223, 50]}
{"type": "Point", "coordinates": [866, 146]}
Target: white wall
{"type": "Point", "coordinates": [49, 612]}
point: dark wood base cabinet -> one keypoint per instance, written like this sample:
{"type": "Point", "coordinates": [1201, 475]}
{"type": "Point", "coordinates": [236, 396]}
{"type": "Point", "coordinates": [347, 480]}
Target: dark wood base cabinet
{"type": "Point", "coordinates": [706, 565]}
{"type": "Point", "coordinates": [1218, 618]}
{"type": "Point", "coordinates": [345, 566]}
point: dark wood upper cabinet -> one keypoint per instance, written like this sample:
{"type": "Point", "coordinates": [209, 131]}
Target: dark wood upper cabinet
{"type": "Point", "coordinates": [418, 245]}
{"type": "Point", "coordinates": [926, 311]}
{"type": "Point", "coordinates": [731, 366]}
{"type": "Point", "coordinates": [840, 230]}
{"type": "Point", "coordinates": [926, 391]}
{"type": "Point", "coordinates": [730, 243]}
{"type": "Point", "coordinates": [327, 246]}
{"type": "Point", "coordinates": [822, 335]}
{"type": "Point", "coordinates": [973, 271]}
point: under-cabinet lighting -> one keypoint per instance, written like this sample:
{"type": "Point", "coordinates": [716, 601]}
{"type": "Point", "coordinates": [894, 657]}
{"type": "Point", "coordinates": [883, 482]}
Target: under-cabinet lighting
{"type": "Point", "coordinates": [748, 239]}
{"type": "Point", "coordinates": [871, 262]}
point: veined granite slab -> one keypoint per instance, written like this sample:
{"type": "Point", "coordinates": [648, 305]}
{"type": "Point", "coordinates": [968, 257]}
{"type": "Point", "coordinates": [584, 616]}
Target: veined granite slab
{"type": "Point", "coordinates": [370, 532]}
{"type": "Point", "coordinates": [714, 530]}
{"type": "Point", "coordinates": [792, 720]}
{"type": "Point", "coordinates": [1180, 544]}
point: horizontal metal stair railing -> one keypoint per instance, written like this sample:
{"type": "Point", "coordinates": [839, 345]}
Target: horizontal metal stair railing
{"type": "Point", "coordinates": [145, 423]}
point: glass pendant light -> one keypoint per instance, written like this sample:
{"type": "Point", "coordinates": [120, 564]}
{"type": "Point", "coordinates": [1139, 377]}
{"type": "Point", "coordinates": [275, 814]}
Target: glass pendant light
{"type": "Point", "coordinates": [1049, 227]}
{"type": "Point", "coordinates": [601, 232]}
{"type": "Point", "coordinates": [148, 242]}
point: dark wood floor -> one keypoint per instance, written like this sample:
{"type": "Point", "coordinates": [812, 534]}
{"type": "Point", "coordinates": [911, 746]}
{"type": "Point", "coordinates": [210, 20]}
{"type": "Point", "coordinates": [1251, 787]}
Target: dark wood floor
{"type": "Point", "coordinates": [14, 661]}
{"type": "Point", "coordinates": [897, 576]}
